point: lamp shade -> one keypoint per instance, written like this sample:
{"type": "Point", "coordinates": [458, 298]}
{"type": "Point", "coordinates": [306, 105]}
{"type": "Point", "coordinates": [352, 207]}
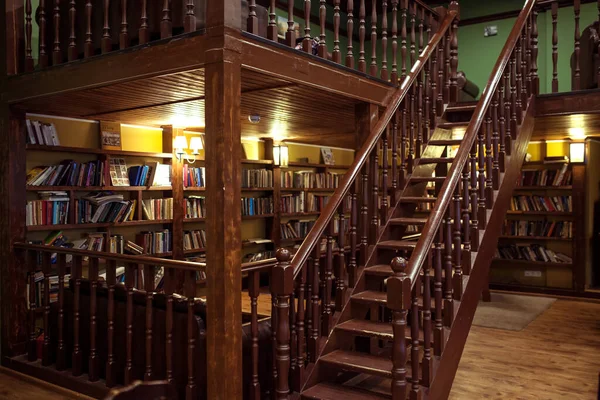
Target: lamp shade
{"type": "Point", "coordinates": [196, 144]}
{"type": "Point", "coordinates": [180, 142]}
{"type": "Point", "coordinates": [577, 152]}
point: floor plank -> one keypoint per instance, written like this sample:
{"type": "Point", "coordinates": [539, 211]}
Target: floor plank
{"type": "Point", "coordinates": [16, 386]}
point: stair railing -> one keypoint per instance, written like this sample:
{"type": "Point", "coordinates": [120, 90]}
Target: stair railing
{"type": "Point", "coordinates": [303, 291]}
{"type": "Point", "coordinates": [451, 232]}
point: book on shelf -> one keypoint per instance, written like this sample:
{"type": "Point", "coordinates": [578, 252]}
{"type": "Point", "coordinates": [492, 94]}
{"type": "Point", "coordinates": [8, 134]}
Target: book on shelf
{"type": "Point", "coordinates": [292, 203]}
{"type": "Point", "coordinates": [133, 248]}
{"type": "Point", "coordinates": [296, 229]}
{"type": "Point", "coordinates": [118, 172]}
{"type": "Point", "coordinates": [39, 288]}
{"type": "Point", "coordinates": [542, 203]}
{"type": "Point", "coordinates": [257, 178]}
{"type": "Point", "coordinates": [193, 240]}
{"type": "Point", "coordinates": [257, 206]}
{"type": "Point", "coordinates": [68, 173]}
{"type": "Point", "coordinates": [157, 209]}
{"type": "Point", "coordinates": [162, 174]}
{"type": "Point", "coordinates": [550, 229]}
{"type": "Point", "coordinates": [309, 180]}
{"type": "Point", "coordinates": [316, 203]}
{"type": "Point", "coordinates": [104, 207]}
{"type": "Point", "coordinates": [264, 255]}
{"type": "Point", "coordinates": [51, 209]}
{"type": "Point", "coordinates": [327, 156]}
{"type": "Point", "coordinates": [546, 177]}
{"type": "Point", "coordinates": [110, 135]}
{"type": "Point", "coordinates": [139, 175]}
{"type": "Point", "coordinates": [194, 177]}
{"type": "Point", "coordinates": [195, 207]}
{"type": "Point", "coordinates": [41, 133]}
{"type": "Point", "coordinates": [157, 242]}
{"type": "Point", "coordinates": [533, 252]}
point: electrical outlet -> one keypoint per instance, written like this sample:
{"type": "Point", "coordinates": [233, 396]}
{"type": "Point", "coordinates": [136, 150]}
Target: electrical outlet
{"type": "Point", "coordinates": [533, 274]}
{"type": "Point", "coordinates": [490, 30]}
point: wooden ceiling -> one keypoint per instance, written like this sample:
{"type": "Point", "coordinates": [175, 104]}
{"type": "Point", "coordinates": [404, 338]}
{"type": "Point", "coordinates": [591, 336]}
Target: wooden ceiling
{"type": "Point", "coordinates": [558, 127]}
{"type": "Point", "coordinates": [287, 110]}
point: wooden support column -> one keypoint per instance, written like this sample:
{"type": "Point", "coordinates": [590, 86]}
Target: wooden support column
{"type": "Point", "coordinates": [223, 192]}
{"type": "Point", "coordinates": [13, 39]}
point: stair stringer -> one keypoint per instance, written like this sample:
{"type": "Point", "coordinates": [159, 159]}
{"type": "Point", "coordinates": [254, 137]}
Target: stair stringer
{"type": "Point", "coordinates": [329, 343]}
{"type": "Point", "coordinates": [478, 278]}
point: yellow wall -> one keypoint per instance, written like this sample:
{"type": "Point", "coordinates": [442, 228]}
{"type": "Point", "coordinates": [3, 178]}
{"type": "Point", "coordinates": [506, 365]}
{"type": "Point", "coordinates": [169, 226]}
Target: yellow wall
{"type": "Point", "coordinates": [297, 151]}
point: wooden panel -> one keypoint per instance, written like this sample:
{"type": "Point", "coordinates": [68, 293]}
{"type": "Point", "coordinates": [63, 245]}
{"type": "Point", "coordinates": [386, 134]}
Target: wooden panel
{"type": "Point", "coordinates": [566, 126]}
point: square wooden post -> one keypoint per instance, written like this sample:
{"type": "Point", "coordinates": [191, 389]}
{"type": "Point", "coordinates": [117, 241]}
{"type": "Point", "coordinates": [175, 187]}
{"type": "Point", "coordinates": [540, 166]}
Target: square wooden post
{"type": "Point", "coordinates": [223, 192]}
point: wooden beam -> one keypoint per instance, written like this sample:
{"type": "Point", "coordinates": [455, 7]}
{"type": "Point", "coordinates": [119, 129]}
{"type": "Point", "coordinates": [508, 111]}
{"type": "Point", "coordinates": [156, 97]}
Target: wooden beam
{"type": "Point", "coordinates": [582, 102]}
{"type": "Point", "coordinates": [267, 57]}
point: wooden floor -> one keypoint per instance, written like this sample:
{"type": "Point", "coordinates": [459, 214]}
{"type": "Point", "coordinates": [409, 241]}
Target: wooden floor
{"type": "Point", "coordinates": [15, 386]}
{"type": "Point", "coordinates": [555, 357]}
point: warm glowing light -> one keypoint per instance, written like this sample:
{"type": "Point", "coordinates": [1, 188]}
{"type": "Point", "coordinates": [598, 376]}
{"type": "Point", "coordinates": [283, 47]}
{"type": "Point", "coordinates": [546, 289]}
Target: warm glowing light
{"type": "Point", "coordinates": [281, 155]}
{"type": "Point", "coordinates": [577, 133]}
{"type": "Point", "coordinates": [196, 144]}
{"type": "Point", "coordinates": [577, 152]}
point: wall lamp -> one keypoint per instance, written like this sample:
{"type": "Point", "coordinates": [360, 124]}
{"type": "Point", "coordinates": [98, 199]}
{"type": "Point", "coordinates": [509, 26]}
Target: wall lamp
{"type": "Point", "coordinates": [281, 155]}
{"type": "Point", "coordinates": [181, 145]}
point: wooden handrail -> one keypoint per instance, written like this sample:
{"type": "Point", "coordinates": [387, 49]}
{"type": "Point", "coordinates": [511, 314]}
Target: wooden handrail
{"type": "Point", "coordinates": [436, 216]}
{"type": "Point", "coordinates": [363, 154]}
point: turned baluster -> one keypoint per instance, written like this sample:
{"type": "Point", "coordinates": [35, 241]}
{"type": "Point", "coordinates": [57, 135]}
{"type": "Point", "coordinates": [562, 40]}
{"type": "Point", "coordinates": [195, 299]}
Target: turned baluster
{"type": "Point", "coordinates": [419, 121]}
{"type": "Point", "coordinates": [129, 286]}
{"type": "Point", "coordinates": [482, 217]}
{"type": "Point", "coordinates": [466, 220]}
{"type": "Point", "coordinates": [403, 146]}
{"type": "Point", "coordinates": [415, 390]}
{"type": "Point", "coordinates": [421, 31]}
{"type": "Point", "coordinates": [438, 327]}
{"type": "Point", "coordinates": [577, 54]}
{"type": "Point", "coordinates": [124, 34]}
{"type": "Point", "coordinates": [254, 292]}
{"type": "Point", "coordinates": [309, 310]}
{"type": "Point", "coordinates": [526, 62]}
{"type": "Point", "coordinates": [294, 384]}
{"type": "Point", "coordinates": [28, 37]}
{"type": "Point", "coordinates": [323, 33]}
{"type": "Point", "coordinates": [290, 35]}
{"type": "Point", "coordinates": [440, 78]}
{"type": "Point", "coordinates": [489, 161]}
{"type": "Point", "coordinates": [403, 34]}
{"type": "Point", "coordinates": [427, 363]}
{"type": "Point", "coordinates": [501, 126]}
{"type": "Point", "coordinates": [411, 129]}
{"type": "Point", "coordinates": [350, 29]}
{"type": "Point", "coordinates": [384, 40]}
{"type": "Point", "coordinates": [456, 243]}
{"type": "Point", "coordinates": [454, 61]}
{"type": "Point", "coordinates": [282, 288]}
{"type": "Point", "coordinates": [383, 209]}
{"type": "Point", "coordinates": [495, 142]}
{"type": "Point", "coordinates": [189, 23]}
{"type": "Point", "coordinates": [399, 301]}
{"type": "Point", "coordinates": [111, 266]}
{"type": "Point", "coordinates": [519, 81]}
{"type": "Point", "coordinates": [326, 284]}
{"type": "Point", "coordinates": [307, 42]}
{"type": "Point", "coordinates": [535, 79]}
{"type": "Point", "coordinates": [144, 32]}
{"type": "Point", "coordinates": [514, 123]}
{"type": "Point", "coordinates": [364, 214]}
{"type": "Point", "coordinates": [373, 67]}
{"type": "Point", "coordinates": [166, 24]}
{"type": "Point", "coordinates": [106, 42]}
{"type": "Point", "coordinates": [555, 46]}
{"type": "Point", "coordinates": [374, 207]}
{"type": "Point", "coordinates": [61, 262]}
{"type": "Point", "coordinates": [394, 189]}
{"type": "Point", "coordinates": [300, 329]}
{"type": "Point", "coordinates": [313, 338]}
{"type": "Point", "coordinates": [191, 388]}
{"type": "Point", "coordinates": [93, 355]}
{"type": "Point", "coordinates": [353, 235]}
{"type": "Point", "coordinates": [31, 259]}
{"type": "Point", "coordinates": [507, 113]}
{"type": "Point", "coordinates": [340, 265]}
{"type": "Point", "coordinates": [427, 100]}
{"type": "Point", "coordinates": [474, 197]}
{"type": "Point", "coordinates": [149, 289]}
{"type": "Point", "coordinates": [169, 288]}
{"type": "Point", "coordinates": [272, 27]}
{"type": "Point", "coordinates": [448, 282]}
{"type": "Point", "coordinates": [76, 363]}
{"type": "Point", "coordinates": [413, 33]}
{"type": "Point", "coordinates": [336, 53]}
{"type": "Point", "coordinates": [435, 111]}
{"type": "Point", "coordinates": [362, 30]}
{"type": "Point", "coordinates": [252, 25]}
{"type": "Point", "coordinates": [72, 48]}
{"type": "Point", "coordinates": [43, 53]}
{"type": "Point", "coordinates": [56, 52]}
{"type": "Point", "coordinates": [274, 325]}
{"type": "Point", "coordinates": [447, 74]}
{"type": "Point", "coordinates": [394, 75]}
{"type": "Point", "coordinates": [88, 47]}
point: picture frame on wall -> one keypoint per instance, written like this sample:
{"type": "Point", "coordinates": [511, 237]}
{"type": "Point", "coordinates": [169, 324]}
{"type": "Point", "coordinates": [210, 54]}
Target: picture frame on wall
{"type": "Point", "coordinates": [110, 135]}
{"type": "Point", "coordinates": [327, 156]}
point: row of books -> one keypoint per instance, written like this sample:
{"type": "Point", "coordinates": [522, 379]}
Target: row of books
{"type": "Point", "coordinates": [296, 229]}
{"type": "Point", "coordinates": [195, 207]}
{"type": "Point", "coordinates": [193, 240]}
{"type": "Point", "coordinates": [546, 177]}
{"type": "Point", "coordinates": [52, 209]}
{"type": "Point", "coordinates": [157, 208]}
{"type": "Point", "coordinates": [157, 242]}
{"type": "Point", "coordinates": [310, 180]}
{"type": "Point", "coordinates": [150, 174]}
{"type": "Point", "coordinates": [557, 229]}
{"type": "Point", "coordinates": [39, 288]}
{"type": "Point", "coordinates": [316, 202]}
{"type": "Point", "coordinates": [532, 252]}
{"type": "Point", "coordinates": [104, 207]}
{"type": "Point", "coordinates": [257, 178]}
{"type": "Point", "coordinates": [194, 177]}
{"type": "Point", "coordinates": [292, 203]}
{"type": "Point", "coordinates": [541, 203]}
{"type": "Point", "coordinates": [41, 133]}
{"type": "Point", "coordinates": [68, 173]}
{"type": "Point", "coordinates": [257, 206]}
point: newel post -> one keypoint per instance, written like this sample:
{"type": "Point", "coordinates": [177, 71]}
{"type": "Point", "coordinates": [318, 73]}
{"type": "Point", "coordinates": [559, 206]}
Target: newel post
{"type": "Point", "coordinates": [282, 286]}
{"type": "Point", "coordinates": [399, 290]}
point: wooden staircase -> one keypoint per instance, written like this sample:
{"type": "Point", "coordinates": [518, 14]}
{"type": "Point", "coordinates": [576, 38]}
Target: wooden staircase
{"type": "Point", "coordinates": [387, 316]}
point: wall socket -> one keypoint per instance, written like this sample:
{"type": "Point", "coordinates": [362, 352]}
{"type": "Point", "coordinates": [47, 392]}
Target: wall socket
{"type": "Point", "coordinates": [533, 274]}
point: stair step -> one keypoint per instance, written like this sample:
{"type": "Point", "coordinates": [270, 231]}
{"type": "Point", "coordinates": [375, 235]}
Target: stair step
{"type": "Point", "coordinates": [408, 221]}
{"type": "Point", "coordinates": [397, 244]}
{"type": "Point", "coordinates": [331, 391]}
{"type": "Point", "coordinates": [421, 179]}
{"type": "Point", "coordinates": [461, 107]}
{"type": "Point", "coordinates": [379, 330]}
{"type": "Point", "coordinates": [385, 270]}
{"type": "Point", "coordinates": [409, 199]}
{"type": "Point", "coordinates": [444, 142]}
{"type": "Point", "coordinates": [380, 298]}
{"type": "Point", "coordinates": [359, 362]}
{"type": "Point", "coordinates": [453, 125]}
{"type": "Point", "coordinates": [436, 160]}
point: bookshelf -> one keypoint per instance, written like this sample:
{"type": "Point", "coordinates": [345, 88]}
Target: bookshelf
{"type": "Point", "coordinates": [540, 244]}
